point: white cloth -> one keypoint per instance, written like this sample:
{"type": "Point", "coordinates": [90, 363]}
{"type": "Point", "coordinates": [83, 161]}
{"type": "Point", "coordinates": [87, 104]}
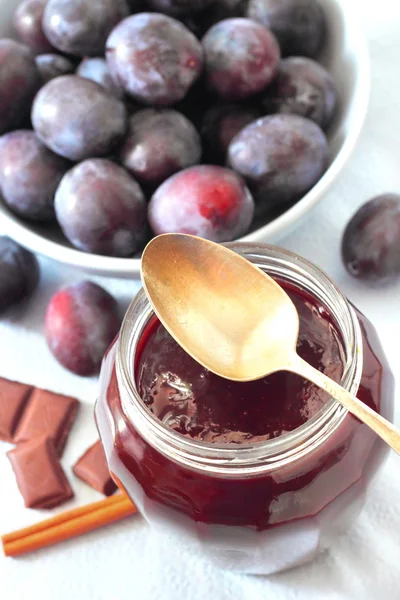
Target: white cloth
{"type": "Point", "coordinates": [124, 561]}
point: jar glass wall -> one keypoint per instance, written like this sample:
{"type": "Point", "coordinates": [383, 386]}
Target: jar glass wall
{"type": "Point", "coordinates": [262, 507]}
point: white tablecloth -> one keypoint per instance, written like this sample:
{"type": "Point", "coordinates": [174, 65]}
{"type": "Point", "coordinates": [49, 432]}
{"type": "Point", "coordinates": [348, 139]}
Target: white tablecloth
{"type": "Point", "coordinates": [124, 561]}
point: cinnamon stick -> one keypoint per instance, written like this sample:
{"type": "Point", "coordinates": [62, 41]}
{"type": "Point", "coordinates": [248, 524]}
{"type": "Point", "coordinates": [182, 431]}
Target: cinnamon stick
{"type": "Point", "coordinates": [67, 525]}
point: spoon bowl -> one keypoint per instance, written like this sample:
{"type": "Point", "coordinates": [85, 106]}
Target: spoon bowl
{"type": "Point", "coordinates": [200, 292]}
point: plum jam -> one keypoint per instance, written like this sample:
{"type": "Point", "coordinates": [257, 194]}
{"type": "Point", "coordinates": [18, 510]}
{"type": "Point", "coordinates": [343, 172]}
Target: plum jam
{"type": "Point", "coordinates": [260, 476]}
{"type": "Point", "coordinates": [194, 402]}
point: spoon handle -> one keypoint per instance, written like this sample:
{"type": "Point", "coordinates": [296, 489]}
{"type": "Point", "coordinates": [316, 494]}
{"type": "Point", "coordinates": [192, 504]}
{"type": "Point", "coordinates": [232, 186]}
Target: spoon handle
{"type": "Point", "coordinates": [386, 430]}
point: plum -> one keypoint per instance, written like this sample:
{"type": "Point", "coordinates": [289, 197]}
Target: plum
{"type": "Point", "coordinates": [29, 175]}
{"type": "Point", "coordinates": [97, 70]}
{"type": "Point", "coordinates": [371, 241]}
{"type": "Point", "coordinates": [101, 208]}
{"type": "Point", "coordinates": [241, 58]}
{"type": "Point", "coordinates": [159, 143]}
{"type": "Point", "coordinates": [220, 125]}
{"type": "Point", "coordinates": [19, 82]}
{"type": "Point", "coordinates": [299, 25]}
{"type": "Point", "coordinates": [81, 321]}
{"type": "Point", "coordinates": [81, 27]}
{"type": "Point", "coordinates": [155, 58]}
{"type": "Point", "coordinates": [179, 7]}
{"type": "Point", "coordinates": [207, 201]}
{"type": "Point", "coordinates": [303, 87]}
{"type": "Point", "coordinates": [77, 119]}
{"type": "Point", "coordinates": [53, 65]}
{"type": "Point", "coordinates": [280, 156]}
{"type": "Point", "coordinates": [19, 273]}
{"type": "Point", "coordinates": [28, 25]}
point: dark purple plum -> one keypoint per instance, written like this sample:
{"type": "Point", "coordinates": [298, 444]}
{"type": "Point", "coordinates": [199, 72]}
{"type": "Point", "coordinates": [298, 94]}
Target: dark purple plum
{"type": "Point", "coordinates": [155, 58]}
{"type": "Point", "coordinates": [299, 25]}
{"type": "Point", "coordinates": [281, 157]}
{"type": "Point", "coordinates": [29, 175]}
{"type": "Point", "coordinates": [220, 125]}
{"type": "Point", "coordinates": [303, 87]}
{"type": "Point", "coordinates": [19, 82]}
{"type": "Point", "coordinates": [179, 7]}
{"type": "Point", "coordinates": [80, 323]}
{"type": "Point", "coordinates": [371, 241]}
{"type": "Point", "coordinates": [97, 70]}
{"type": "Point", "coordinates": [77, 119]}
{"type": "Point", "coordinates": [159, 143]}
{"type": "Point", "coordinates": [101, 209]}
{"type": "Point", "coordinates": [28, 25]}
{"type": "Point", "coordinates": [207, 201]}
{"type": "Point", "coordinates": [19, 273]}
{"type": "Point", "coordinates": [241, 58]}
{"type": "Point", "coordinates": [81, 27]}
{"type": "Point", "coordinates": [53, 65]}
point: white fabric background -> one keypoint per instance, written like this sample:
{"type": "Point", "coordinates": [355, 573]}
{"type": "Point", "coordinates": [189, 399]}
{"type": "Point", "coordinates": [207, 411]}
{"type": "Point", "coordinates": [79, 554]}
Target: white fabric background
{"type": "Point", "coordinates": [125, 561]}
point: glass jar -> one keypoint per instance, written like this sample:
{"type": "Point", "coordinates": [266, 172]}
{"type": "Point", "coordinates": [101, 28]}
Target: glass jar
{"type": "Point", "coordinates": [258, 508]}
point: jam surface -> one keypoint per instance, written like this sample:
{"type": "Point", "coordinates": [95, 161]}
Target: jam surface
{"type": "Point", "coordinates": [198, 404]}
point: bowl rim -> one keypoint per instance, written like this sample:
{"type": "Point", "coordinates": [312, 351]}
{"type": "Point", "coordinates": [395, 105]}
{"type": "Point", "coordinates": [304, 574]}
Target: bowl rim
{"type": "Point", "coordinates": [130, 267]}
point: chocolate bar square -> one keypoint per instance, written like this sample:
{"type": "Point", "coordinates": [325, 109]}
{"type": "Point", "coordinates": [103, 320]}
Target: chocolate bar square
{"type": "Point", "coordinates": [47, 414]}
{"type": "Point", "coordinates": [92, 468]}
{"type": "Point", "coordinates": [39, 474]}
{"type": "Point", "coordinates": [13, 399]}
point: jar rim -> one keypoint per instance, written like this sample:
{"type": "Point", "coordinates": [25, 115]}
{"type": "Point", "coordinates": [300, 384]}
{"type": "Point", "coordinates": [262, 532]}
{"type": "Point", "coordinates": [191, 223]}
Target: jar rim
{"type": "Point", "coordinates": [252, 458]}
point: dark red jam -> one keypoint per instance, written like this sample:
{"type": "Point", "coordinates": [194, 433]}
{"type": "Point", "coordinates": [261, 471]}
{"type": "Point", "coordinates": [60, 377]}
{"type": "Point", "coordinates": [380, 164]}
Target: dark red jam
{"type": "Point", "coordinates": [198, 404]}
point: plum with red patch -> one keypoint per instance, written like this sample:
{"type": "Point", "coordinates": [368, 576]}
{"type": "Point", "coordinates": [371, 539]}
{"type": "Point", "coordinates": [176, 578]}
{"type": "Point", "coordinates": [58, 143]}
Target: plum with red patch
{"type": "Point", "coordinates": [29, 175]}
{"type": "Point", "coordinates": [159, 143]}
{"type": "Point", "coordinates": [19, 82]}
{"type": "Point", "coordinates": [155, 58]}
{"type": "Point", "coordinates": [81, 321]}
{"type": "Point", "coordinates": [208, 201]}
{"type": "Point", "coordinates": [19, 273]}
{"type": "Point", "coordinates": [281, 157]}
{"type": "Point", "coordinates": [28, 25]}
{"type": "Point", "coordinates": [101, 209]}
{"type": "Point", "coordinates": [241, 58]}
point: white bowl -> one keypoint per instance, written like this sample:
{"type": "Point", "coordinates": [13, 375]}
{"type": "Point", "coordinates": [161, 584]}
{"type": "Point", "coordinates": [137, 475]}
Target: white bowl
{"type": "Point", "coordinates": [345, 56]}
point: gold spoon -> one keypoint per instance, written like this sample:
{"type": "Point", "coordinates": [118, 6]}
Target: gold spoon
{"type": "Point", "coordinates": [234, 319]}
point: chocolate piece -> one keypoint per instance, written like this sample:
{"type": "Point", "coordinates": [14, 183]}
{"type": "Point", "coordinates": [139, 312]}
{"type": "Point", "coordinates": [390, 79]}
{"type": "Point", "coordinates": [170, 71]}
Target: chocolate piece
{"type": "Point", "coordinates": [47, 414]}
{"type": "Point", "coordinates": [39, 474]}
{"type": "Point", "coordinates": [13, 399]}
{"type": "Point", "coordinates": [92, 468]}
